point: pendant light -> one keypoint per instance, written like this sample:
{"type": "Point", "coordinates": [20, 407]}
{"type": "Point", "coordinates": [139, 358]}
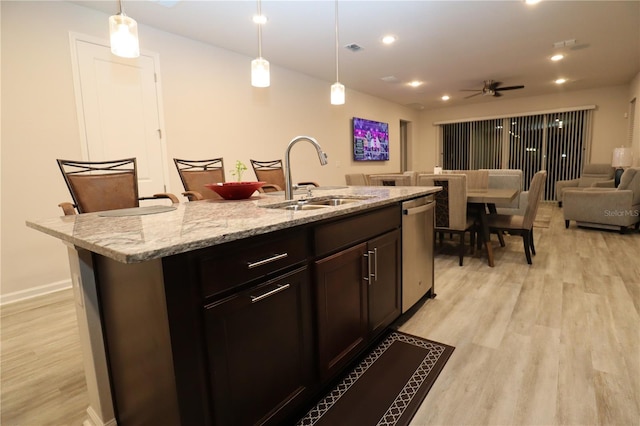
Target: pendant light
{"type": "Point", "coordinates": [260, 67]}
{"type": "Point", "coordinates": [337, 88]}
{"type": "Point", "coordinates": [124, 35]}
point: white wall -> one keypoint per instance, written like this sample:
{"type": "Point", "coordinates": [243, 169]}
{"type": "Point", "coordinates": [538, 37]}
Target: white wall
{"type": "Point", "coordinates": [609, 122]}
{"type": "Point", "coordinates": [210, 110]}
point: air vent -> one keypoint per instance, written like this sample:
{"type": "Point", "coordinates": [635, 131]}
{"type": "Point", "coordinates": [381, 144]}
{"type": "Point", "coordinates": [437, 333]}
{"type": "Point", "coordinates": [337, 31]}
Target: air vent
{"type": "Point", "coordinates": [354, 47]}
{"type": "Point", "coordinates": [390, 79]}
{"type": "Point", "coordinates": [564, 43]}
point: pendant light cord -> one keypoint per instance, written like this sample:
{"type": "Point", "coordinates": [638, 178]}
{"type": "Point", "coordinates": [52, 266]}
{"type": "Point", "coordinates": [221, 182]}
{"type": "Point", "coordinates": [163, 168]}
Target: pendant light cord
{"type": "Point", "coordinates": [337, 79]}
{"type": "Point", "coordinates": [121, 11]}
{"type": "Point", "coordinates": [259, 31]}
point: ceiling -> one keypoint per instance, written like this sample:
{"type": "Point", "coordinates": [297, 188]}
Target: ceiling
{"type": "Point", "coordinates": [448, 45]}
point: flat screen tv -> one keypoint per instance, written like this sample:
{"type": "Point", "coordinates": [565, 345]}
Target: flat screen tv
{"type": "Point", "coordinates": [370, 140]}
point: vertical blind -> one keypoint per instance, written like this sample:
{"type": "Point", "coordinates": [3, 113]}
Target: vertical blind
{"type": "Point", "coordinates": [557, 142]}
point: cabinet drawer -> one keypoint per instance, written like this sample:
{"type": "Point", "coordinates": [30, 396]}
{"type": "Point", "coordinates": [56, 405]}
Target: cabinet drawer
{"type": "Point", "coordinates": [260, 351]}
{"type": "Point", "coordinates": [238, 263]}
{"type": "Point", "coordinates": [333, 236]}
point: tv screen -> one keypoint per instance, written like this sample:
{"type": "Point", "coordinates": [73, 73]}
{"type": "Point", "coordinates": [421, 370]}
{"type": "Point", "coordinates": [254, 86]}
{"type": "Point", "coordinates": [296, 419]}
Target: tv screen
{"type": "Point", "coordinates": [370, 140]}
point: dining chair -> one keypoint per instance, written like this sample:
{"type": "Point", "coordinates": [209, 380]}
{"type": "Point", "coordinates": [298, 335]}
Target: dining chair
{"type": "Point", "coordinates": [272, 172]}
{"type": "Point", "coordinates": [103, 185]}
{"type": "Point", "coordinates": [356, 179]}
{"type": "Point", "coordinates": [451, 208]}
{"type": "Point", "coordinates": [522, 224]}
{"type": "Point", "coordinates": [391, 180]}
{"type": "Point", "coordinates": [195, 174]}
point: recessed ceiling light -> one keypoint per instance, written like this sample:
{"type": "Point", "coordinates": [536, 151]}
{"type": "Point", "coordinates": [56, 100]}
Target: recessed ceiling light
{"type": "Point", "coordinates": [259, 19]}
{"type": "Point", "coordinates": [532, 1]}
{"type": "Point", "coordinates": [389, 39]}
{"type": "Point", "coordinates": [557, 57]}
{"type": "Point", "coordinates": [415, 83]}
{"type": "Point", "coordinates": [561, 81]}
{"type": "Point", "coordinates": [445, 98]}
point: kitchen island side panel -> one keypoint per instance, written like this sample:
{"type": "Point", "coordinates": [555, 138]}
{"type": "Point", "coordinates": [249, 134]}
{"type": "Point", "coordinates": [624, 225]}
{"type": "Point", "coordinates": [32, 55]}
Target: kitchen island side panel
{"type": "Point", "coordinates": [138, 341]}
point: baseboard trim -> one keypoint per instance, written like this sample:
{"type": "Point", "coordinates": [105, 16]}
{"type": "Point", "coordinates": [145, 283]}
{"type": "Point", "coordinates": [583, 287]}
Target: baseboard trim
{"type": "Point", "coordinates": [30, 293]}
{"type": "Point", "coordinates": [95, 420]}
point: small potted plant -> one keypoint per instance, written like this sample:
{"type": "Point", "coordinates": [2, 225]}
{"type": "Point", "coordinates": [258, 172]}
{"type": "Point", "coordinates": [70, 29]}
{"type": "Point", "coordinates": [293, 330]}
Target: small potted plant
{"type": "Point", "coordinates": [239, 170]}
{"type": "Point", "coordinates": [238, 190]}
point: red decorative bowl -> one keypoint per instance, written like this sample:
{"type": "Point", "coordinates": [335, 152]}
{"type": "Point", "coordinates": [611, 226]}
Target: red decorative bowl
{"type": "Point", "coordinates": [235, 190]}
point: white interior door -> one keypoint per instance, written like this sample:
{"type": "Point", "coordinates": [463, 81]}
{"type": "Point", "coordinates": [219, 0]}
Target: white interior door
{"type": "Point", "coordinates": [119, 111]}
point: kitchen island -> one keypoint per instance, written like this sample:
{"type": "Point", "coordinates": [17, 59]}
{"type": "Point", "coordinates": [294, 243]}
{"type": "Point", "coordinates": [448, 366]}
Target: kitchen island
{"type": "Point", "coordinates": [231, 312]}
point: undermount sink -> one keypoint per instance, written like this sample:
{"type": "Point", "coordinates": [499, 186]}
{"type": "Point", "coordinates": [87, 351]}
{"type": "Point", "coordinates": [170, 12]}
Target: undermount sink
{"type": "Point", "coordinates": [333, 201]}
{"type": "Point", "coordinates": [317, 203]}
{"type": "Point", "coordinates": [296, 207]}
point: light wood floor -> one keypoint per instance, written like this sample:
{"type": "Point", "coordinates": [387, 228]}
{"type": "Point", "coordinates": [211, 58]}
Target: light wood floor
{"type": "Point", "coordinates": [41, 363]}
{"type": "Point", "coordinates": [555, 343]}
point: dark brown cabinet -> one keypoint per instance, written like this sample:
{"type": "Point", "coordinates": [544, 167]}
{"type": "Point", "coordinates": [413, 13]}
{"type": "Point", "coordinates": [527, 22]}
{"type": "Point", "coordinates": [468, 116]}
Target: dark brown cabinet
{"type": "Point", "coordinates": [250, 331]}
{"type": "Point", "coordinates": [384, 256]}
{"type": "Point", "coordinates": [341, 297]}
{"type": "Point", "coordinates": [260, 351]}
{"type": "Point", "coordinates": [358, 295]}
{"type": "Point", "coordinates": [357, 288]}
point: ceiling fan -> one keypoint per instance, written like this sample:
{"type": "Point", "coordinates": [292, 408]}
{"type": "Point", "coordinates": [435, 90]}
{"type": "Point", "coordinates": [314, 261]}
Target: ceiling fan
{"type": "Point", "coordinates": [490, 88]}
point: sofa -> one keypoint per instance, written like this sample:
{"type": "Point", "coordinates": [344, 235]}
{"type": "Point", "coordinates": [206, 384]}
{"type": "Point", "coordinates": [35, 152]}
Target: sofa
{"type": "Point", "coordinates": [593, 175]}
{"type": "Point", "coordinates": [608, 208]}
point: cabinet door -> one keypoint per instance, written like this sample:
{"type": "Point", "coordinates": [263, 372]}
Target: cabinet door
{"type": "Point", "coordinates": [260, 348]}
{"type": "Point", "coordinates": [341, 294]}
{"type": "Point", "coordinates": [384, 259]}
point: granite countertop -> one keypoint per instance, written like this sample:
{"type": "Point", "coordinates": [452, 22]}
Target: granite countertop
{"type": "Point", "coordinates": [199, 224]}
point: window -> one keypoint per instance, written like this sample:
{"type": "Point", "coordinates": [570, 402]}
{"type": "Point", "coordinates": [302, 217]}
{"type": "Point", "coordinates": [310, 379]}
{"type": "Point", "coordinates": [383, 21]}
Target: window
{"type": "Point", "coordinates": [555, 141]}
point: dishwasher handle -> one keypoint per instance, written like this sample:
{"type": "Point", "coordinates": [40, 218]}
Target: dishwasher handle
{"type": "Point", "coordinates": [417, 210]}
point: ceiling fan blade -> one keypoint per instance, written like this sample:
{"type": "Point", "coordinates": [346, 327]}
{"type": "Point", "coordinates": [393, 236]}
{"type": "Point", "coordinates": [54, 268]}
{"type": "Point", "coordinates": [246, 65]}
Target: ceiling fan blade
{"type": "Point", "coordinates": [471, 90]}
{"type": "Point", "coordinates": [497, 94]}
{"type": "Point", "coordinates": [494, 85]}
{"type": "Point", "coordinates": [510, 88]}
{"type": "Point", "coordinates": [471, 96]}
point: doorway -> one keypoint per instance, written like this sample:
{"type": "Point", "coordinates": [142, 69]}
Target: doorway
{"type": "Point", "coordinates": [118, 103]}
{"type": "Point", "coordinates": [404, 145]}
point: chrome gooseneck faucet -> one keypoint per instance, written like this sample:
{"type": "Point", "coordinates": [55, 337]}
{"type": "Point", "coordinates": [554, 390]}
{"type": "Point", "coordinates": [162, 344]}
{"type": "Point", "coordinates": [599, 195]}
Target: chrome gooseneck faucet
{"type": "Point", "coordinates": [288, 191]}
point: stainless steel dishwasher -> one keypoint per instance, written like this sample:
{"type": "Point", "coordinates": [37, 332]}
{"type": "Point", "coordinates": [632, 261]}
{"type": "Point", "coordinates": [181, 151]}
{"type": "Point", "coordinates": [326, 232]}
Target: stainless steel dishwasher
{"type": "Point", "coordinates": [417, 250]}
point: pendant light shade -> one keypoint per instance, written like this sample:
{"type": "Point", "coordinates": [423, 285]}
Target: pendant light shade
{"type": "Point", "coordinates": [337, 94]}
{"type": "Point", "coordinates": [260, 75]}
{"type": "Point", "coordinates": [260, 72]}
{"type": "Point", "coordinates": [124, 35]}
{"type": "Point", "coordinates": [337, 88]}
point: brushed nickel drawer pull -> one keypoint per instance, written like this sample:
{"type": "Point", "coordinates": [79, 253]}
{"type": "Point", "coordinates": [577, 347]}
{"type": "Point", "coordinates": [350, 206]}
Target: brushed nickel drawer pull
{"type": "Point", "coordinates": [281, 287]}
{"type": "Point", "coordinates": [368, 256]}
{"type": "Point", "coordinates": [252, 265]}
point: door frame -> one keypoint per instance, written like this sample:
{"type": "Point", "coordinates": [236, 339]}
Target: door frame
{"type": "Point", "coordinates": [74, 38]}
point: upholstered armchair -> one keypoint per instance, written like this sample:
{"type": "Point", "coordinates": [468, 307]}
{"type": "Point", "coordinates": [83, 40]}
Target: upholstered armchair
{"type": "Point", "coordinates": [609, 208]}
{"type": "Point", "coordinates": [598, 175]}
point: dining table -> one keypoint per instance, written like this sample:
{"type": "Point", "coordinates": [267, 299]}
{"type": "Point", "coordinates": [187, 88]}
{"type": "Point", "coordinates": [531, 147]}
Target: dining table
{"type": "Point", "coordinates": [484, 202]}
